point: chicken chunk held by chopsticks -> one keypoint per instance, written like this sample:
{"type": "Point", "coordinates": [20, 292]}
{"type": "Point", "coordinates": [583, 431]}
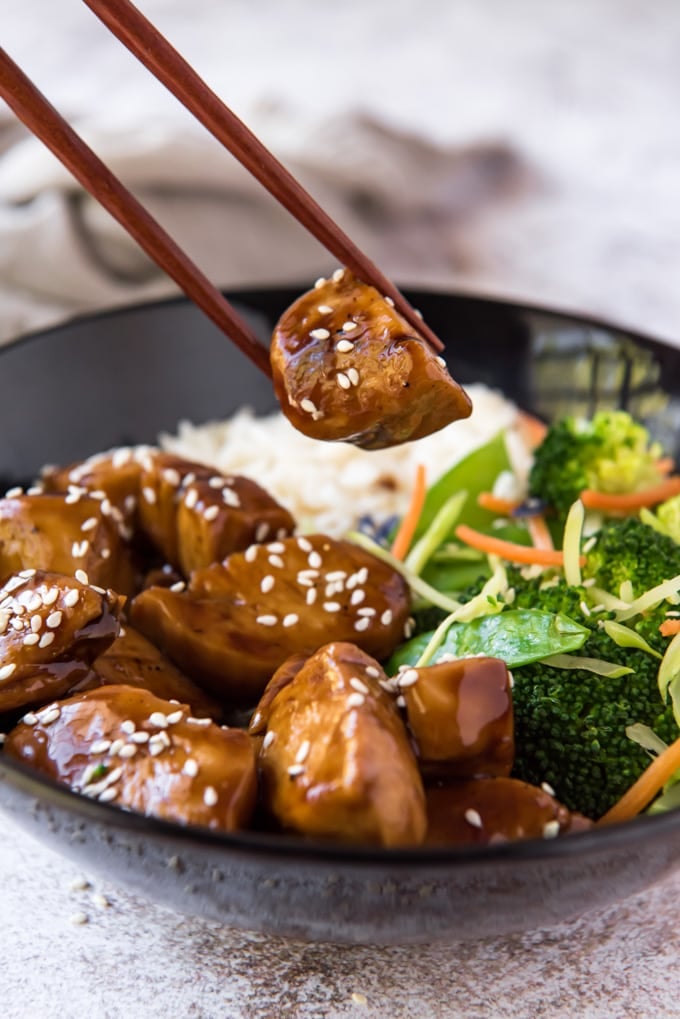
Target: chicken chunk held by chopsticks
{"type": "Point", "coordinates": [239, 620]}
{"type": "Point", "coordinates": [122, 745]}
{"type": "Point", "coordinates": [335, 760]}
{"type": "Point", "coordinates": [52, 628]}
{"type": "Point", "coordinates": [346, 366]}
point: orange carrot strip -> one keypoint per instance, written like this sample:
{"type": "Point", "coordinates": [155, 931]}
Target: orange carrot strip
{"type": "Point", "coordinates": [630, 502]}
{"type": "Point", "coordinates": [532, 429]}
{"type": "Point", "coordinates": [539, 532]}
{"type": "Point", "coordinates": [409, 523]}
{"type": "Point", "coordinates": [495, 504]}
{"type": "Point", "coordinates": [669, 627]}
{"type": "Point", "coordinates": [665, 465]}
{"type": "Point", "coordinates": [647, 786]}
{"type": "Point", "coordinates": [509, 550]}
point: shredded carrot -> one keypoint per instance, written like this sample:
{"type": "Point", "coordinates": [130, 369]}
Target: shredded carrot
{"type": "Point", "coordinates": [532, 429]}
{"type": "Point", "coordinates": [495, 504]}
{"type": "Point", "coordinates": [650, 782]}
{"type": "Point", "coordinates": [669, 627]}
{"type": "Point", "coordinates": [509, 550]}
{"type": "Point", "coordinates": [409, 523]}
{"type": "Point", "coordinates": [630, 502]}
{"type": "Point", "coordinates": [665, 465]}
{"type": "Point", "coordinates": [539, 532]}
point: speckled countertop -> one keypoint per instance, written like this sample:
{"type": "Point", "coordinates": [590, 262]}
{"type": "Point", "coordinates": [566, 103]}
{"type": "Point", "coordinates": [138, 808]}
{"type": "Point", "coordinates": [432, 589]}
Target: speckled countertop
{"type": "Point", "coordinates": [73, 950]}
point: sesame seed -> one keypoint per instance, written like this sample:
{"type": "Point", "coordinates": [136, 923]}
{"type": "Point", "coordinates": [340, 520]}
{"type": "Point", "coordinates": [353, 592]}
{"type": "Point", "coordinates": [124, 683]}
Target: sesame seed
{"type": "Point", "coordinates": [155, 747]}
{"type": "Point", "coordinates": [29, 718]}
{"type": "Point", "coordinates": [30, 639]}
{"type": "Point", "coordinates": [337, 275]}
{"type": "Point", "coordinates": [199, 721]}
{"type": "Point", "coordinates": [547, 788]}
{"type": "Point", "coordinates": [34, 602]}
{"type": "Point", "coordinates": [210, 796]}
{"type": "Point", "coordinates": [175, 717]}
{"type": "Point", "coordinates": [54, 619]}
{"type": "Point", "coordinates": [149, 495]}
{"type": "Point", "coordinates": [129, 750]}
{"type": "Point", "coordinates": [4, 621]}
{"type": "Point", "coordinates": [211, 513]}
{"type": "Point", "coordinates": [357, 596]}
{"type": "Point", "coordinates": [302, 751]}
{"type": "Point", "coordinates": [268, 739]}
{"type": "Point", "coordinates": [171, 476]}
{"type": "Point", "coordinates": [324, 309]}
{"type": "Point", "coordinates": [191, 498]}
{"type": "Point", "coordinates": [230, 498]}
{"type": "Point", "coordinates": [267, 620]}
{"type": "Point", "coordinates": [353, 376]}
{"type": "Point", "coordinates": [177, 587]}
{"type": "Point", "coordinates": [372, 671]}
{"type": "Point", "coordinates": [49, 715]}
{"type": "Point", "coordinates": [108, 794]}
{"type": "Point", "coordinates": [441, 361]}
{"type": "Point", "coordinates": [190, 768]}
{"type": "Point", "coordinates": [355, 700]}
{"type": "Point", "coordinates": [551, 829]}
{"type": "Point", "coordinates": [296, 769]}
{"type": "Point", "coordinates": [78, 919]}
{"type": "Point", "coordinates": [472, 817]}
{"type": "Point", "coordinates": [291, 619]}
{"type": "Point", "coordinates": [332, 606]}
{"type": "Point", "coordinates": [358, 998]}
{"type": "Point", "coordinates": [89, 524]}
{"type": "Point", "coordinates": [357, 685]}
{"type": "Point", "coordinates": [408, 677]}
{"type": "Point", "coordinates": [368, 611]}
{"type": "Point", "coordinates": [262, 531]}
{"type": "Point", "coordinates": [304, 544]}
{"type": "Point", "coordinates": [101, 901]}
{"type": "Point", "coordinates": [189, 479]}
{"type": "Point", "coordinates": [319, 283]}
{"type": "Point", "coordinates": [71, 598]}
{"type": "Point", "coordinates": [79, 884]}
{"type": "Point", "coordinates": [344, 346]}
{"type": "Point", "coordinates": [100, 746]}
{"type": "Point", "coordinates": [250, 554]}
{"type": "Point", "coordinates": [266, 584]}
{"type": "Point", "coordinates": [128, 726]}
{"type": "Point", "coordinates": [319, 334]}
{"type": "Point", "coordinates": [16, 623]}
{"type": "Point", "coordinates": [46, 640]}
{"type": "Point", "coordinates": [388, 300]}
{"type": "Point", "coordinates": [81, 576]}
{"type": "Point", "coordinates": [386, 617]}
{"type": "Point", "coordinates": [362, 624]}
{"type": "Point", "coordinates": [277, 561]}
{"type": "Point", "coordinates": [139, 737]}
{"type": "Point", "coordinates": [409, 627]}
{"type": "Point", "coordinates": [348, 327]}
{"type": "Point", "coordinates": [314, 560]}
{"type": "Point", "coordinates": [217, 481]}
{"type": "Point", "coordinates": [79, 548]}
{"type": "Point", "coordinates": [310, 597]}
{"type": "Point", "coordinates": [308, 406]}
{"type": "Point", "coordinates": [343, 381]}
{"type": "Point", "coordinates": [336, 575]}
{"type": "Point", "coordinates": [14, 493]}
{"type": "Point", "coordinates": [7, 670]}
{"type": "Point", "coordinates": [158, 718]}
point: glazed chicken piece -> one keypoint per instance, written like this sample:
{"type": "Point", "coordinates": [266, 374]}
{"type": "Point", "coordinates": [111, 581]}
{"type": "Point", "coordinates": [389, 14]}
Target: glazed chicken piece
{"type": "Point", "coordinates": [490, 810]}
{"type": "Point", "coordinates": [112, 476]}
{"type": "Point", "coordinates": [460, 714]}
{"type": "Point", "coordinates": [335, 760]}
{"type": "Point", "coordinates": [64, 533]}
{"type": "Point", "coordinates": [196, 516]}
{"type": "Point", "coordinates": [51, 629]}
{"type": "Point", "coordinates": [122, 745]}
{"type": "Point", "coordinates": [346, 366]}
{"type": "Point", "coordinates": [133, 660]}
{"type": "Point", "coordinates": [239, 620]}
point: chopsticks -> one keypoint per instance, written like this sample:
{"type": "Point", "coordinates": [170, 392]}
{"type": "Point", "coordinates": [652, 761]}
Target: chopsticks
{"type": "Point", "coordinates": [154, 51]}
{"type": "Point", "coordinates": [41, 118]}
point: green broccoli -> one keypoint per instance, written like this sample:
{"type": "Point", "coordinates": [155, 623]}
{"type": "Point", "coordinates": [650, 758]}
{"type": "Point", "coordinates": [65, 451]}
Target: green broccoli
{"type": "Point", "coordinates": [570, 726]}
{"type": "Point", "coordinates": [609, 453]}
{"type": "Point", "coordinates": [629, 550]}
{"type": "Point", "coordinates": [666, 519]}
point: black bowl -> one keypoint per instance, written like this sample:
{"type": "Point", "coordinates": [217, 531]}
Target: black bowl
{"type": "Point", "coordinates": [127, 375]}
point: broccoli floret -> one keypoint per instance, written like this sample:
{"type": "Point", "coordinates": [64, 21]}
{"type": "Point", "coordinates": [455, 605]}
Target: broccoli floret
{"type": "Point", "coordinates": [570, 726]}
{"type": "Point", "coordinates": [630, 550]}
{"type": "Point", "coordinates": [609, 453]}
{"type": "Point", "coordinates": [666, 519]}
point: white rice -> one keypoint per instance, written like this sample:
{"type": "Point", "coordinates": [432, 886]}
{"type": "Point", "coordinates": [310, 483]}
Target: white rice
{"type": "Point", "coordinates": [328, 486]}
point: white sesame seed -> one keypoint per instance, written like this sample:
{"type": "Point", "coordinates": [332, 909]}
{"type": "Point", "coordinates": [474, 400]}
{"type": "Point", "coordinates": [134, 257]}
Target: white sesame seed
{"type": "Point", "coordinates": [175, 717]}
{"type": "Point", "coordinates": [338, 275]}
{"type": "Point", "coordinates": [291, 619]}
{"type": "Point", "coordinates": [362, 575]}
{"type": "Point", "coordinates": [177, 587]}
{"type": "Point", "coordinates": [296, 769]}
{"type": "Point", "coordinates": [308, 406]}
{"type": "Point", "coordinates": [116, 746]}
{"type": "Point", "coordinates": [230, 498]}
{"type": "Point", "coordinates": [149, 495]}
{"type": "Point", "coordinates": [190, 768]}
{"type": "Point", "coordinates": [303, 750]}
{"type": "Point", "coordinates": [268, 739]}
{"type": "Point", "coordinates": [79, 884]}
{"type": "Point", "coordinates": [362, 624]}
{"type": "Point", "coordinates": [408, 677]}
{"type": "Point", "coordinates": [332, 606]}
{"type": "Point", "coordinates": [441, 361]}
{"type": "Point", "coordinates": [78, 919]}
{"type": "Point", "coordinates": [71, 598]}
{"type": "Point", "coordinates": [34, 602]}
{"type": "Point", "coordinates": [276, 560]}
{"type": "Point", "coordinates": [172, 476]}
{"type": "Point", "coordinates": [547, 788]}
{"type": "Point", "coordinates": [54, 619]}
{"type": "Point", "coordinates": [344, 346]}
{"type": "Point", "coordinates": [319, 283]}
{"type": "Point", "coordinates": [368, 611]}
{"type": "Point", "coordinates": [262, 531]}
{"type": "Point", "coordinates": [211, 513]}
{"type": "Point", "coordinates": [158, 719]}
{"type": "Point", "coordinates": [100, 901]}
{"type": "Point", "coordinates": [139, 737]}
{"type": "Point", "coordinates": [7, 670]}
{"type": "Point", "coordinates": [310, 597]}
{"type": "Point", "coordinates": [357, 596]}
{"type": "Point", "coordinates": [217, 481]}
{"type": "Point", "coordinates": [80, 548]}
{"type": "Point", "coordinates": [108, 794]}
{"type": "Point", "coordinates": [386, 617]}
{"type": "Point", "coordinates": [353, 376]}
{"type": "Point", "coordinates": [250, 553]}
{"type": "Point", "coordinates": [156, 747]}
{"type": "Point", "coordinates": [551, 829]}
{"type": "Point", "coordinates": [343, 381]}
{"type": "Point", "coordinates": [357, 685]}
{"type": "Point", "coordinates": [4, 621]}
{"type": "Point", "coordinates": [128, 726]}
{"type": "Point", "coordinates": [304, 544]}
{"type": "Point", "coordinates": [100, 746]}
{"type": "Point", "coordinates": [472, 817]}
{"type": "Point", "coordinates": [14, 493]}
{"type": "Point", "coordinates": [314, 560]}
{"type": "Point", "coordinates": [81, 576]}
{"type": "Point", "coordinates": [129, 750]}
{"type": "Point", "coordinates": [372, 671]}
{"type": "Point", "coordinates": [30, 639]}
{"type": "Point", "coordinates": [388, 300]}
{"type": "Point", "coordinates": [46, 640]}
{"type": "Point", "coordinates": [349, 327]}
{"type": "Point", "coordinates": [336, 575]}
{"type": "Point", "coordinates": [189, 479]}
{"type": "Point", "coordinates": [210, 796]}
{"type": "Point", "coordinates": [49, 714]}
{"type": "Point", "coordinates": [267, 620]}
{"type": "Point", "coordinates": [88, 524]}
{"type": "Point", "coordinates": [29, 718]}
{"type": "Point", "coordinates": [355, 700]}
{"type": "Point", "coordinates": [319, 334]}
{"type": "Point", "coordinates": [199, 721]}
{"type": "Point", "coordinates": [267, 583]}
{"type": "Point", "coordinates": [17, 623]}
{"type": "Point", "coordinates": [324, 309]}
{"type": "Point", "coordinates": [191, 498]}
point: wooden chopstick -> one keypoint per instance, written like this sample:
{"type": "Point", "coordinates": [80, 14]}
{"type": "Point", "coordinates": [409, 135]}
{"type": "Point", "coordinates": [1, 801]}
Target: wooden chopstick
{"type": "Point", "coordinates": [44, 121]}
{"type": "Point", "coordinates": [154, 51]}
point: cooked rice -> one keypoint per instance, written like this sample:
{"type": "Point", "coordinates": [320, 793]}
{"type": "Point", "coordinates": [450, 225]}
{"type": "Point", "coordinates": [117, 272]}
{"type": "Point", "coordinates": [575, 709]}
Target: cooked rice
{"type": "Point", "coordinates": [328, 486]}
